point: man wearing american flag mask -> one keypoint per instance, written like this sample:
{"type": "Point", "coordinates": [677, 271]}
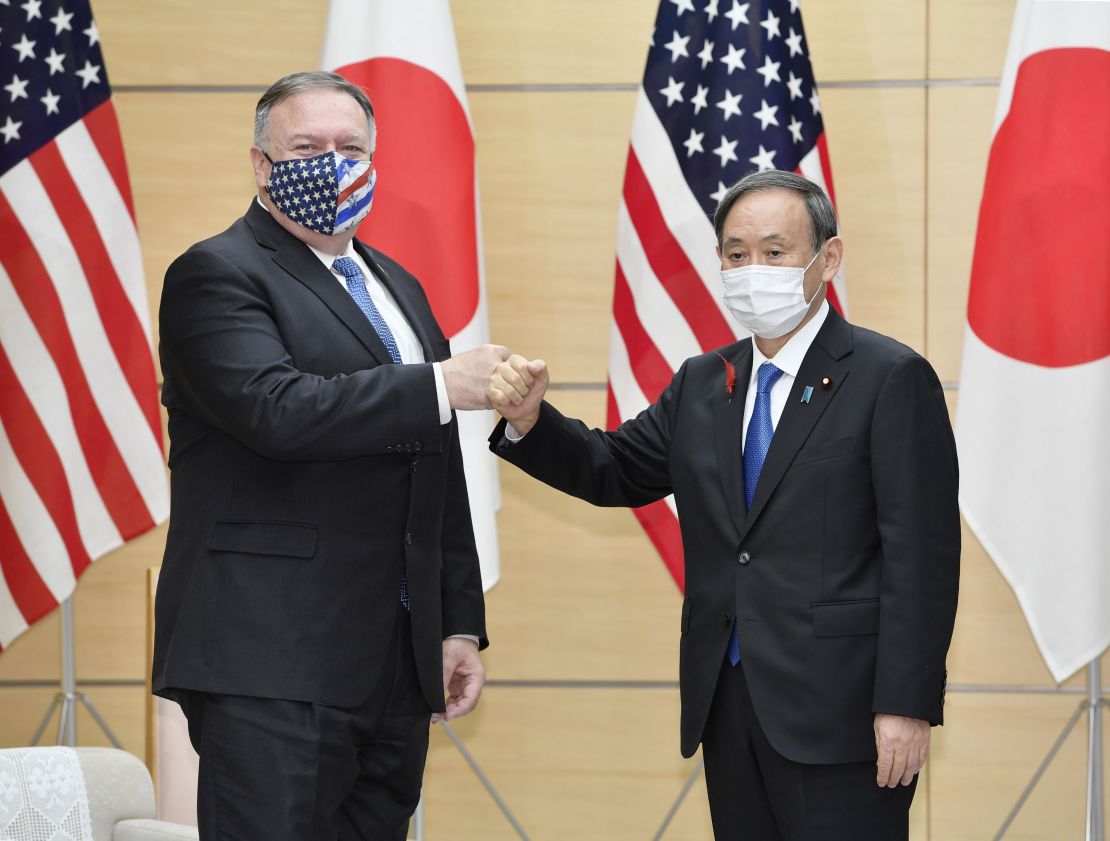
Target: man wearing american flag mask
{"type": "Point", "coordinates": [320, 590]}
{"type": "Point", "coordinates": [814, 474]}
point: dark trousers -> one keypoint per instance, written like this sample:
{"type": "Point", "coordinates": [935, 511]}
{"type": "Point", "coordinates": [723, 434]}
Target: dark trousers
{"type": "Point", "coordinates": [296, 771]}
{"type": "Point", "coordinates": [755, 794]}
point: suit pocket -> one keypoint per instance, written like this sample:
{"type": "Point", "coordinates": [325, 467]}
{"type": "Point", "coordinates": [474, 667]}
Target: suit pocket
{"type": "Point", "coordinates": [685, 615]}
{"type": "Point", "coordinates": [441, 349]}
{"type": "Point", "coordinates": [828, 449]}
{"type": "Point", "coordinates": [846, 619]}
{"type": "Point", "coordinates": [264, 537]}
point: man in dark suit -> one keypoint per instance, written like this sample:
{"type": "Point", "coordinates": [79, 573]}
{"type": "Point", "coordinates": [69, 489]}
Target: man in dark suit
{"type": "Point", "coordinates": [817, 502]}
{"type": "Point", "coordinates": [320, 587]}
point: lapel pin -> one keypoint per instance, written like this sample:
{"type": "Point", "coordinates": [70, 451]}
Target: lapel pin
{"type": "Point", "coordinates": [826, 383]}
{"type": "Point", "coordinates": [807, 393]}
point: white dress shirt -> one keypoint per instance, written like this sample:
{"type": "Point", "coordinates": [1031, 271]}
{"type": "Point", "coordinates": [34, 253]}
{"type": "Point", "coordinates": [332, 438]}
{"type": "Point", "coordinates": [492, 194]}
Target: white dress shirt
{"type": "Point", "coordinates": [408, 345]}
{"type": "Point", "coordinates": [788, 360]}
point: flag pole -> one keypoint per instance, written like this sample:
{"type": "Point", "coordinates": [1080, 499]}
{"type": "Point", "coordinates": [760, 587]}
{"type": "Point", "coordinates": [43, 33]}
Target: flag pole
{"type": "Point", "coordinates": [1095, 822]}
{"type": "Point", "coordinates": [69, 697]}
{"type": "Point", "coordinates": [1091, 706]}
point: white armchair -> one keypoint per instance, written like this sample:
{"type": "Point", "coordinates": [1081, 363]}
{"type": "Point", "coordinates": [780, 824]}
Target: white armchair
{"type": "Point", "coordinates": [39, 789]}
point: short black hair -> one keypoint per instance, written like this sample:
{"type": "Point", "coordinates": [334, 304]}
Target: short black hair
{"type": "Point", "coordinates": [822, 215]}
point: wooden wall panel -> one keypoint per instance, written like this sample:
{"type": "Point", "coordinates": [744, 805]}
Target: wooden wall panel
{"type": "Point", "coordinates": [185, 189]}
{"type": "Point", "coordinates": [866, 40]}
{"type": "Point", "coordinates": [208, 42]}
{"type": "Point", "coordinates": [36, 654]}
{"type": "Point", "coordinates": [583, 593]}
{"type": "Point", "coordinates": [876, 141]}
{"type": "Point", "coordinates": [122, 707]}
{"type": "Point", "coordinates": [982, 759]}
{"type": "Point", "coordinates": [571, 763]}
{"type": "Point", "coordinates": [567, 42]}
{"type": "Point", "coordinates": [550, 192]}
{"type": "Point", "coordinates": [968, 40]}
{"type": "Point", "coordinates": [960, 121]}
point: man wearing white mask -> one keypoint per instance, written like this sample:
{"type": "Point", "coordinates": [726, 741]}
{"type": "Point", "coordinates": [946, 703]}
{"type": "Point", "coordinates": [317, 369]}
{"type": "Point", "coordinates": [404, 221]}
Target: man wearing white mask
{"type": "Point", "coordinates": [815, 476]}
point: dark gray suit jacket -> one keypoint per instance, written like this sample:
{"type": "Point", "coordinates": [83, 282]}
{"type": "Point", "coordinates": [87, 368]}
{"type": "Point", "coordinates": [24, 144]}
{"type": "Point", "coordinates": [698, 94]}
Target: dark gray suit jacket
{"type": "Point", "coordinates": [308, 472]}
{"type": "Point", "coordinates": [844, 573]}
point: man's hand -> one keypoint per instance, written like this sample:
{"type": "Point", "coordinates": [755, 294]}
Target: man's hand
{"type": "Point", "coordinates": [467, 375]}
{"type": "Point", "coordinates": [516, 390]}
{"type": "Point", "coordinates": [903, 744]}
{"type": "Point", "coordinates": [463, 678]}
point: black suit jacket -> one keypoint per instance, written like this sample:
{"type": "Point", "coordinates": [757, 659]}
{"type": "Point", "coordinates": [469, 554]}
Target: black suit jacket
{"type": "Point", "coordinates": [843, 575]}
{"type": "Point", "coordinates": [307, 473]}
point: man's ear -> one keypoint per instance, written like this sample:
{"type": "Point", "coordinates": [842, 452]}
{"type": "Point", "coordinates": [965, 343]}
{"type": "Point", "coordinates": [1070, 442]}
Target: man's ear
{"type": "Point", "coordinates": [261, 167]}
{"type": "Point", "coordinates": [833, 251]}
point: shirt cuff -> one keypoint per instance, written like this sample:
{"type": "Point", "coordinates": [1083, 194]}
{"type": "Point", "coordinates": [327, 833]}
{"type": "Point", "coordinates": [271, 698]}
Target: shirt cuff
{"type": "Point", "coordinates": [470, 637]}
{"type": "Point", "coordinates": [441, 394]}
{"type": "Point", "coordinates": [511, 435]}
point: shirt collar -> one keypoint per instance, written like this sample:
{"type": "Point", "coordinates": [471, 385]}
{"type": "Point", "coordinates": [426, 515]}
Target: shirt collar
{"type": "Point", "coordinates": [328, 259]}
{"type": "Point", "coordinates": [790, 356]}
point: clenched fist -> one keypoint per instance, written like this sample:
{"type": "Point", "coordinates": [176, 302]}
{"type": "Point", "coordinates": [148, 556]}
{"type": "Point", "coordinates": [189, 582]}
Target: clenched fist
{"type": "Point", "coordinates": [516, 390]}
{"type": "Point", "coordinates": [467, 375]}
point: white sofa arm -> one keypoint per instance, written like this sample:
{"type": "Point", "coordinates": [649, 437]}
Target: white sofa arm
{"type": "Point", "coordinates": [151, 830]}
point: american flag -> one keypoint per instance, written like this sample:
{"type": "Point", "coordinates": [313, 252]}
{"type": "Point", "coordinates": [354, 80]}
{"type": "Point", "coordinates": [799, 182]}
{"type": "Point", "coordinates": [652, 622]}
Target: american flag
{"type": "Point", "coordinates": [728, 89]}
{"type": "Point", "coordinates": [81, 466]}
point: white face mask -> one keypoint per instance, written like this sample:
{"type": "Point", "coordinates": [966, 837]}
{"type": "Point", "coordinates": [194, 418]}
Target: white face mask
{"type": "Point", "coordinates": [768, 301]}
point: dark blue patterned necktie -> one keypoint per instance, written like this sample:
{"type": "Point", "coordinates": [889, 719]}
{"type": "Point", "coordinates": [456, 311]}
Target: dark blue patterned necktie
{"type": "Point", "coordinates": [356, 285]}
{"type": "Point", "coordinates": [758, 441]}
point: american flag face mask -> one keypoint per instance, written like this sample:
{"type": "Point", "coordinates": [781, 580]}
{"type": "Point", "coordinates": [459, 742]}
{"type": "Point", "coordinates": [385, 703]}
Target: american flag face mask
{"type": "Point", "coordinates": [326, 193]}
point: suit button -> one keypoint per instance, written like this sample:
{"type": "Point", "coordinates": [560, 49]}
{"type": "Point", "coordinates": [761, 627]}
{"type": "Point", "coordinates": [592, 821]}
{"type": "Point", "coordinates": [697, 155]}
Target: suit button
{"type": "Point", "coordinates": [408, 538]}
{"type": "Point", "coordinates": [389, 448]}
{"type": "Point", "coordinates": [408, 448]}
{"type": "Point", "coordinates": [744, 559]}
{"type": "Point", "coordinates": [418, 446]}
{"type": "Point", "coordinates": [728, 618]}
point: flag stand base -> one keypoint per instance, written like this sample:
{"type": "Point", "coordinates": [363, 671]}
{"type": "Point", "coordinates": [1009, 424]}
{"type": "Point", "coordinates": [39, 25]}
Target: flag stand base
{"type": "Point", "coordinates": [689, 784]}
{"type": "Point", "coordinates": [418, 816]}
{"type": "Point", "coordinates": [69, 697]}
{"type": "Point", "coordinates": [1091, 706]}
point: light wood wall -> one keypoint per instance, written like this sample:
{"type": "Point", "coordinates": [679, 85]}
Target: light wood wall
{"type": "Point", "coordinates": [579, 727]}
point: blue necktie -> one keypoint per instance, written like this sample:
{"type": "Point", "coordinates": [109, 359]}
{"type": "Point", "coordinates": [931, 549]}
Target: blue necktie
{"type": "Point", "coordinates": [760, 431]}
{"type": "Point", "coordinates": [356, 285]}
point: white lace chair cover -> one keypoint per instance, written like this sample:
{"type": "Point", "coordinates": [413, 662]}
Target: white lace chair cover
{"type": "Point", "coordinates": [43, 796]}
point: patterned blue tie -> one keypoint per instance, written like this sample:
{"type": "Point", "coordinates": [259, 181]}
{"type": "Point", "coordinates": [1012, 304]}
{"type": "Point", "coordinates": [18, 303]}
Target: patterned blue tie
{"type": "Point", "coordinates": [356, 285]}
{"type": "Point", "coordinates": [760, 431]}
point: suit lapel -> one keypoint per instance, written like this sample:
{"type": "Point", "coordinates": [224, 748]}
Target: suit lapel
{"type": "Point", "coordinates": [826, 357]}
{"type": "Point", "coordinates": [728, 417]}
{"type": "Point", "coordinates": [296, 259]}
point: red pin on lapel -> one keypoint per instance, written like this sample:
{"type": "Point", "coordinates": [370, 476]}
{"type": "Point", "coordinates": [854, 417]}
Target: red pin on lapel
{"type": "Point", "coordinates": [730, 376]}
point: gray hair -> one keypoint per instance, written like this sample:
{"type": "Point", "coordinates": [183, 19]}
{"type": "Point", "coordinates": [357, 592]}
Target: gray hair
{"type": "Point", "coordinates": [295, 83]}
{"type": "Point", "coordinates": [822, 216]}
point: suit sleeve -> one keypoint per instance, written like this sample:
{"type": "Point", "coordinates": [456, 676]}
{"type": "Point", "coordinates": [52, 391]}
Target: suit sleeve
{"type": "Point", "coordinates": [916, 481]}
{"type": "Point", "coordinates": [224, 360]}
{"type": "Point", "coordinates": [463, 603]}
{"type": "Point", "coordinates": [628, 466]}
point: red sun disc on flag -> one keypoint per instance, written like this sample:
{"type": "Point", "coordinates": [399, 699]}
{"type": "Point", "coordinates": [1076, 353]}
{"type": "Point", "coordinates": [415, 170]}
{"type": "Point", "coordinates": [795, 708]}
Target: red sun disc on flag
{"type": "Point", "coordinates": [1040, 280]}
{"type": "Point", "coordinates": [424, 213]}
